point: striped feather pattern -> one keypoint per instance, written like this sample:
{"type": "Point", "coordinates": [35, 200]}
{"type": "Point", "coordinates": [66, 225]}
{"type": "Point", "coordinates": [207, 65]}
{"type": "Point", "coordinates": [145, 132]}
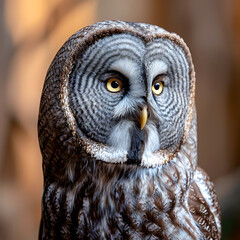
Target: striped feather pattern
{"type": "Point", "coordinates": [88, 88]}
{"type": "Point", "coordinates": [130, 202]}
{"type": "Point", "coordinates": [94, 107]}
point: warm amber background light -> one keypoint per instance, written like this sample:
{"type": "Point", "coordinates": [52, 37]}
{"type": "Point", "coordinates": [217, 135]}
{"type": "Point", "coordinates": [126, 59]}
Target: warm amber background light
{"type": "Point", "coordinates": [31, 32]}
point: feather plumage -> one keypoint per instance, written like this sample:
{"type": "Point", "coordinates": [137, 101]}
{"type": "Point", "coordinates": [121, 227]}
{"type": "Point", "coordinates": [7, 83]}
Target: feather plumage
{"type": "Point", "coordinates": [104, 178]}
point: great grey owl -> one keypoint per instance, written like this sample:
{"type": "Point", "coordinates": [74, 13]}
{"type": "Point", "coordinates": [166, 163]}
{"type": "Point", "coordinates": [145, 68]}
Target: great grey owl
{"type": "Point", "coordinates": [117, 132]}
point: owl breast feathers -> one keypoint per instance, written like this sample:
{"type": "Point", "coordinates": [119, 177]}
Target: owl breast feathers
{"type": "Point", "coordinates": [117, 132]}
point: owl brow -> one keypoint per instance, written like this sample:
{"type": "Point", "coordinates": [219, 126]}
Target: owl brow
{"type": "Point", "coordinates": [182, 65]}
{"type": "Point", "coordinates": [111, 74]}
{"type": "Point", "coordinates": [163, 77]}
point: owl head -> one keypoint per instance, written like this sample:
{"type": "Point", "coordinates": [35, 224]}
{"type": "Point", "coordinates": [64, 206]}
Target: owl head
{"type": "Point", "coordinates": [120, 92]}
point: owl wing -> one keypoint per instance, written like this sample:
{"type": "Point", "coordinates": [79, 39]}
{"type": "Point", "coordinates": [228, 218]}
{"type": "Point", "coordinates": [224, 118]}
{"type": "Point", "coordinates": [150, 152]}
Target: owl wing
{"type": "Point", "coordinates": [204, 206]}
{"type": "Point", "coordinates": [40, 233]}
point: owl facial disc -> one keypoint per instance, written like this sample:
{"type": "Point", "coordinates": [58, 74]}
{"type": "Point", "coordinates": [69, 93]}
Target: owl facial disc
{"type": "Point", "coordinates": [131, 97]}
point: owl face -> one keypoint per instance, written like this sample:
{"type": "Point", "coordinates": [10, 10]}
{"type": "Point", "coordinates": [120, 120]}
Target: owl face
{"type": "Point", "coordinates": [131, 96]}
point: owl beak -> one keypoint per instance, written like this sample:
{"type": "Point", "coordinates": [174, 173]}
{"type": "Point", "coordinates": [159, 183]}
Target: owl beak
{"type": "Point", "coordinates": [143, 117]}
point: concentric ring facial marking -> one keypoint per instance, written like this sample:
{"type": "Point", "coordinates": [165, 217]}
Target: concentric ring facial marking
{"type": "Point", "coordinates": [95, 117]}
{"type": "Point", "coordinates": [172, 104]}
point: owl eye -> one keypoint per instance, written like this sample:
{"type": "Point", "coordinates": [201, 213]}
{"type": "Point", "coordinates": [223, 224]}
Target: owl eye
{"type": "Point", "coordinates": [157, 86]}
{"type": "Point", "coordinates": [114, 85]}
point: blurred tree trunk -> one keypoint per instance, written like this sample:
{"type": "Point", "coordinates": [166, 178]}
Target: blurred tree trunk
{"type": "Point", "coordinates": [150, 11]}
{"type": "Point", "coordinates": [6, 53]}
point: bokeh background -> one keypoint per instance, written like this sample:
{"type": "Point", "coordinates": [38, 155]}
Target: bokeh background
{"type": "Point", "coordinates": [31, 32]}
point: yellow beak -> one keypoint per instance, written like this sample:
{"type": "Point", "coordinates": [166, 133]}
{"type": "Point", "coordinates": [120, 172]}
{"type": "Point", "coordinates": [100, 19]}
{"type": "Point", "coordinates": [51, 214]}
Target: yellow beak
{"type": "Point", "coordinates": [143, 117]}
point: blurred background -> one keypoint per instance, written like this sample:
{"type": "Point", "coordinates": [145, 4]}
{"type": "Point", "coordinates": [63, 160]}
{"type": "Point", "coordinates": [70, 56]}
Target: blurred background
{"type": "Point", "coordinates": [31, 32]}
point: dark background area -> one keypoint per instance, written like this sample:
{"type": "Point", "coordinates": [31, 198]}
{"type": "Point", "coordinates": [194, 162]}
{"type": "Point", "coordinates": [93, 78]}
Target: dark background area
{"type": "Point", "coordinates": [31, 32]}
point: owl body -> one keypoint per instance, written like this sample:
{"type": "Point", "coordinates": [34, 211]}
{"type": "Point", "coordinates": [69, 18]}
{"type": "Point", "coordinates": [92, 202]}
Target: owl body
{"type": "Point", "coordinates": [117, 131]}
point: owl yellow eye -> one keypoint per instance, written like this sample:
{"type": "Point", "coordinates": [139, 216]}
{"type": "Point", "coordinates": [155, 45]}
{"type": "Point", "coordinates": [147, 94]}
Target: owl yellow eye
{"type": "Point", "coordinates": [157, 87]}
{"type": "Point", "coordinates": [114, 85]}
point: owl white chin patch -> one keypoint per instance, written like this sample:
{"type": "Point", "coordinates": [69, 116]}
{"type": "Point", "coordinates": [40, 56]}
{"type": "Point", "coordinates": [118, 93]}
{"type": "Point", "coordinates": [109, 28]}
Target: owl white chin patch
{"type": "Point", "coordinates": [152, 157]}
{"type": "Point", "coordinates": [149, 159]}
{"type": "Point", "coordinates": [119, 143]}
{"type": "Point", "coordinates": [120, 137]}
